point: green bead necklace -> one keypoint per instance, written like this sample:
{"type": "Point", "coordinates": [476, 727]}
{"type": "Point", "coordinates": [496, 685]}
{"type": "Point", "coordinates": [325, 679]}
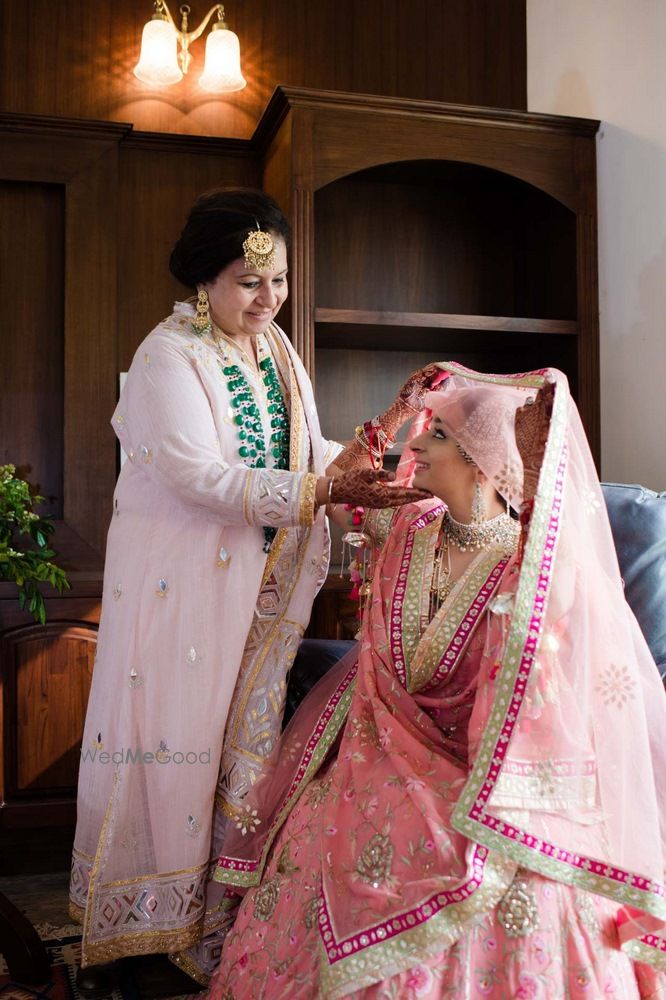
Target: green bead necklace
{"type": "Point", "coordinates": [247, 418]}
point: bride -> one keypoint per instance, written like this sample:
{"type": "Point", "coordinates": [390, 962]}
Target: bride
{"type": "Point", "coordinates": [470, 804]}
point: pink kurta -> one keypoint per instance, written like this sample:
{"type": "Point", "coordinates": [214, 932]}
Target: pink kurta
{"type": "Point", "coordinates": [184, 569]}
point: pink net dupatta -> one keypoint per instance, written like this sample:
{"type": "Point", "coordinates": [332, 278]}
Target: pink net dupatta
{"type": "Point", "coordinates": [568, 734]}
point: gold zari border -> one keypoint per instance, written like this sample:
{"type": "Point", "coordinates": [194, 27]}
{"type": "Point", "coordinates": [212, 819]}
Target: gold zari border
{"type": "Point", "coordinates": [306, 514]}
{"type": "Point", "coordinates": [142, 942]}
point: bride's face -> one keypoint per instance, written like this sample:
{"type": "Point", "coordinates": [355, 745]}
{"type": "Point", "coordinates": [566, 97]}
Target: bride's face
{"type": "Point", "coordinates": [441, 469]}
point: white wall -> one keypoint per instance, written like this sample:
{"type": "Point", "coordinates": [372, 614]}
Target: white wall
{"type": "Point", "coordinates": [607, 59]}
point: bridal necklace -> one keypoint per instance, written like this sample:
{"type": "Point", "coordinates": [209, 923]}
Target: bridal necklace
{"type": "Point", "coordinates": [499, 532]}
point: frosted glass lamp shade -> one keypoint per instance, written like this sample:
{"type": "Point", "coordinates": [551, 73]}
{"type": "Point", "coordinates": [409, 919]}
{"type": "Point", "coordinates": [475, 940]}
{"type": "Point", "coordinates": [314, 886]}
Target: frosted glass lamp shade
{"type": "Point", "coordinates": [222, 69]}
{"type": "Point", "coordinates": [158, 61]}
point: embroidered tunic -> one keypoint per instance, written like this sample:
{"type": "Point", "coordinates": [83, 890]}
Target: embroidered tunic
{"type": "Point", "coordinates": [189, 596]}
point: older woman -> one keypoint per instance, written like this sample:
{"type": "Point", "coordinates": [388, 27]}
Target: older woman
{"type": "Point", "coordinates": [471, 805]}
{"type": "Point", "coordinates": [217, 546]}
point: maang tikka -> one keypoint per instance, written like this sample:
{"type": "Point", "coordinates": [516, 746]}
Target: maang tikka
{"type": "Point", "coordinates": [259, 250]}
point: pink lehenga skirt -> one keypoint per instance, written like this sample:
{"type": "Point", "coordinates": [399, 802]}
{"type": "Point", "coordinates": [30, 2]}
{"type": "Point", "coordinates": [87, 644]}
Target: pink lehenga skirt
{"type": "Point", "coordinates": [543, 941]}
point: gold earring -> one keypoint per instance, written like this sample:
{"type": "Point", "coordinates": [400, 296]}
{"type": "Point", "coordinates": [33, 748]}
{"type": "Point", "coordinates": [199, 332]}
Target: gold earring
{"type": "Point", "coordinates": [201, 322]}
{"type": "Point", "coordinates": [478, 505]}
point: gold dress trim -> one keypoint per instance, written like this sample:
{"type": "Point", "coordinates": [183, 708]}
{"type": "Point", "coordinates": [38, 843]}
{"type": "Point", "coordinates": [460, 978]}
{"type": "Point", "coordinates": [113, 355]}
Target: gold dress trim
{"type": "Point", "coordinates": [443, 627]}
{"type": "Point", "coordinates": [307, 502]}
{"type": "Point", "coordinates": [388, 958]}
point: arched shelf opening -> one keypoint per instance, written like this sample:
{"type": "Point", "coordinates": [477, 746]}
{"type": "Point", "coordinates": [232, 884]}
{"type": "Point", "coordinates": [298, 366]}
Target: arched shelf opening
{"type": "Point", "coordinates": [423, 260]}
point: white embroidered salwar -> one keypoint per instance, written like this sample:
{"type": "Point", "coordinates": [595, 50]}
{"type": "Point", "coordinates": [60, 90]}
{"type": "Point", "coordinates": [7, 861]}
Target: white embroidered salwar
{"type": "Point", "coordinates": [189, 598]}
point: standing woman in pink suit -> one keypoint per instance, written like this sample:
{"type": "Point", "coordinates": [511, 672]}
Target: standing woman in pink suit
{"type": "Point", "coordinates": [217, 546]}
{"type": "Point", "coordinates": [472, 805]}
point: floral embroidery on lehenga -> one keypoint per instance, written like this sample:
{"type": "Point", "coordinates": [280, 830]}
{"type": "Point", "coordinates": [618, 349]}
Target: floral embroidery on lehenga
{"type": "Point", "coordinates": [266, 898]}
{"type": "Point", "coordinates": [374, 862]}
{"type": "Point", "coordinates": [312, 912]}
{"type": "Point", "coordinates": [365, 728]}
{"type": "Point", "coordinates": [318, 792]}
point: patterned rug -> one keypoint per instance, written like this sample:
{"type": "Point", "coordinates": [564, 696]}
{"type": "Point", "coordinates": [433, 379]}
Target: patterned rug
{"type": "Point", "coordinates": [144, 978]}
{"type": "Point", "coordinates": [63, 946]}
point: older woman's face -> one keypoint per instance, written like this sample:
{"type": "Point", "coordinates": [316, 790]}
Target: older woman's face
{"type": "Point", "coordinates": [243, 302]}
{"type": "Point", "coordinates": [440, 468]}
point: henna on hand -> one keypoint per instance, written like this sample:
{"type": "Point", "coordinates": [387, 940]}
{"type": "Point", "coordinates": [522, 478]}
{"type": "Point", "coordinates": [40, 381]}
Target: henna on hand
{"type": "Point", "coordinates": [414, 390]}
{"type": "Point", "coordinates": [408, 402]}
{"type": "Point", "coordinates": [355, 456]}
{"type": "Point", "coordinates": [371, 489]}
{"type": "Point", "coordinates": [531, 425]}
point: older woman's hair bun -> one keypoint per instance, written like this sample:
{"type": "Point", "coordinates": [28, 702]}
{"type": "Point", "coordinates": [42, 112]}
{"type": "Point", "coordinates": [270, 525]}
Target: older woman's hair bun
{"type": "Point", "coordinates": [216, 227]}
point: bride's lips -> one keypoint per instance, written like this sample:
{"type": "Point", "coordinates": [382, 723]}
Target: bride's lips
{"type": "Point", "coordinates": [421, 466]}
{"type": "Point", "coordinates": [259, 317]}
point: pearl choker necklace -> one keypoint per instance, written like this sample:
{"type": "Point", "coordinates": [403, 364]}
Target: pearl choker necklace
{"type": "Point", "coordinates": [499, 532]}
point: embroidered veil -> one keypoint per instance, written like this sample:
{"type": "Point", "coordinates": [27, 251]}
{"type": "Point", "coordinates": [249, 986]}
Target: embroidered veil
{"type": "Point", "coordinates": [568, 735]}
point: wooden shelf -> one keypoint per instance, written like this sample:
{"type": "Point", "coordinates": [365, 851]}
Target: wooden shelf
{"type": "Point", "coordinates": [446, 321]}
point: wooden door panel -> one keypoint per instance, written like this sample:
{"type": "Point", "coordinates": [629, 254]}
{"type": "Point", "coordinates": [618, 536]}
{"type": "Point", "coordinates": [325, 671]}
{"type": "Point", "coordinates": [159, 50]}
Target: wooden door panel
{"type": "Point", "coordinates": [47, 674]}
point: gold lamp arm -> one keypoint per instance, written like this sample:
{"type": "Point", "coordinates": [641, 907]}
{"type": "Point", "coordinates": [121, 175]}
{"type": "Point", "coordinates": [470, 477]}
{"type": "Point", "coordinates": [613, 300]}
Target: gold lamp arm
{"type": "Point", "coordinates": [185, 37]}
{"type": "Point", "coordinates": [192, 36]}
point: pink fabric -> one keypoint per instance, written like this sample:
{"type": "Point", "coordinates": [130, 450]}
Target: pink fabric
{"type": "Point", "coordinates": [572, 953]}
{"type": "Point", "coordinates": [481, 418]}
{"type": "Point", "coordinates": [541, 747]}
{"type": "Point", "coordinates": [572, 778]}
{"type": "Point", "coordinates": [399, 771]}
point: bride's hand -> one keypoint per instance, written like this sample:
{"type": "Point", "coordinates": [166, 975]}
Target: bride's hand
{"type": "Point", "coordinates": [532, 425]}
{"type": "Point", "coordinates": [416, 387]}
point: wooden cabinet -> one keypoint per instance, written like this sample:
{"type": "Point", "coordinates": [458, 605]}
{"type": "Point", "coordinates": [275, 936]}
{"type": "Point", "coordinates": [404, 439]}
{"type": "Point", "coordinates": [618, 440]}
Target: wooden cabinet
{"type": "Point", "coordinates": [427, 231]}
{"type": "Point", "coordinates": [422, 232]}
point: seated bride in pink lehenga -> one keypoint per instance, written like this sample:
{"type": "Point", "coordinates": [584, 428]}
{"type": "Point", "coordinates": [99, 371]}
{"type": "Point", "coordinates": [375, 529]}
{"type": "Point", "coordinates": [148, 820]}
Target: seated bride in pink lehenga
{"type": "Point", "coordinates": [471, 803]}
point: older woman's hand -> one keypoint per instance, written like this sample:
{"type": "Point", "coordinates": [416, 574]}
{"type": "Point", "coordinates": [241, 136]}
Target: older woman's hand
{"type": "Point", "coordinates": [370, 488]}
